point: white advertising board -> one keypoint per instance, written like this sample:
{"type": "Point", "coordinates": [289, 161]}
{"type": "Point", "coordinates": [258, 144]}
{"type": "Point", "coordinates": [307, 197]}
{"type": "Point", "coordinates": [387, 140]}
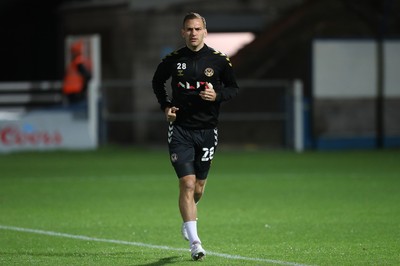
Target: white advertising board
{"type": "Point", "coordinates": [344, 68]}
{"type": "Point", "coordinates": [348, 68]}
{"type": "Point", "coordinates": [392, 67]}
{"type": "Point", "coordinates": [43, 130]}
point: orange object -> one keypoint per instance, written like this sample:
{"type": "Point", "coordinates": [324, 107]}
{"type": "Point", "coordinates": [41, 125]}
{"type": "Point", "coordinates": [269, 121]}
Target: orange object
{"type": "Point", "coordinates": [77, 48]}
{"type": "Point", "coordinates": [74, 82]}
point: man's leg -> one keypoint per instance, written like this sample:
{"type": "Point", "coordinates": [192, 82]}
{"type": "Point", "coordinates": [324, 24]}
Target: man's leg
{"type": "Point", "coordinates": [199, 190]}
{"type": "Point", "coordinates": [198, 193]}
{"type": "Point", "coordinates": [188, 209]}
{"type": "Point", "coordinates": [187, 205]}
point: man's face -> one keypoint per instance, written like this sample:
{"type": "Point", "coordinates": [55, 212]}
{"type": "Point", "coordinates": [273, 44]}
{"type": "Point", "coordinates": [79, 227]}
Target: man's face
{"type": "Point", "coordinates": [194, 33]}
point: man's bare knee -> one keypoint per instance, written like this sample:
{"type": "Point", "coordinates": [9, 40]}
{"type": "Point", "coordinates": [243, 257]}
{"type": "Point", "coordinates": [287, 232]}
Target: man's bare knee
{"type": "Point", "coordinates": [187, 184]}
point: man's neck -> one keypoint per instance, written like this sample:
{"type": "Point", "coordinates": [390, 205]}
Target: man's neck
{"type": "Point", "coordinates": [196, 48]}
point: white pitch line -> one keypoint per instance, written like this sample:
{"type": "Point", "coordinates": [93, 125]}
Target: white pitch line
{"type": "Point", "coordinates": [139, 244]}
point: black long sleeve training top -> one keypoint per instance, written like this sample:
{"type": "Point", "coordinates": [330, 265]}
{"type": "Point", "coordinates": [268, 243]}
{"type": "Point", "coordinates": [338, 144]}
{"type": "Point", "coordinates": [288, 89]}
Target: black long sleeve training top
{"type": "Point", "coordinates": [189, 71]}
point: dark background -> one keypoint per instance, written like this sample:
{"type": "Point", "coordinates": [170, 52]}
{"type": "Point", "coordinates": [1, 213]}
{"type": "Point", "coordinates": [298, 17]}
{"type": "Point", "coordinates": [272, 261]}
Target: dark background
{"type": "Point", "coordinates": [32, 35]}
{"type": "Point", "coordinates": [30, 40]}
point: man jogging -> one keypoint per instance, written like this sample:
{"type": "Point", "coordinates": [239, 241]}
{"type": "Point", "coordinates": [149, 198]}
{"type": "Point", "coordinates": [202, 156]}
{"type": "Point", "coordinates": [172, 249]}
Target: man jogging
{"type": "Point", "coordinates": [201, 79]}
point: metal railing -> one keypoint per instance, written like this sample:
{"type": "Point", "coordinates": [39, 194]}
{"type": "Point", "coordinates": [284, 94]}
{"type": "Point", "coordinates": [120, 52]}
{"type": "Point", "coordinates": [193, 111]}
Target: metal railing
{"type": "Point", "coordinates": [264, 105]}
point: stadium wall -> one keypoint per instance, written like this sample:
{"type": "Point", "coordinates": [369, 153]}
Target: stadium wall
{"type": "Point", "coordinates": [345, 91]}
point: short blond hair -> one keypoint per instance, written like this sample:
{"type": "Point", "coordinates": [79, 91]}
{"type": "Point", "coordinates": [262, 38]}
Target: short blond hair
{"type": "Point", "coordinates": [194, 15]}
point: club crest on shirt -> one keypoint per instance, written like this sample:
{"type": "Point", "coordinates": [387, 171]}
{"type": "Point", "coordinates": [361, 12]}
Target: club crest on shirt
{"type": "Point", "coordinates": [209, 72]}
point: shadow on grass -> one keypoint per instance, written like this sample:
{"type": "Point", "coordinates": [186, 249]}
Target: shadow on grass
{"type": "Point", "coordinates": [162, 261]}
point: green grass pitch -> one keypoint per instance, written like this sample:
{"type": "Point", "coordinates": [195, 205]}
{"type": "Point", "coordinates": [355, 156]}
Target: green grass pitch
{"type": "Point", "coordinates": [118, 206]}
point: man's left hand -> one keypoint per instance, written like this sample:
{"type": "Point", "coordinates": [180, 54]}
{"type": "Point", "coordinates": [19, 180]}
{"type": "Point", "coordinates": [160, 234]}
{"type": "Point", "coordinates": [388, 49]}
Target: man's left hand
{"type": "Point", "coordinates": [209, 93]}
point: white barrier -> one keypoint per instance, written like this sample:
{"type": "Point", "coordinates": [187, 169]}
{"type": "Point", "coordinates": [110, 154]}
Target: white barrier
{"type": "Point", "coordinates": [44, 130]}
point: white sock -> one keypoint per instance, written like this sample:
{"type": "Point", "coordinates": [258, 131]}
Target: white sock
{"type": "Point", "coordinates": [191, 228]}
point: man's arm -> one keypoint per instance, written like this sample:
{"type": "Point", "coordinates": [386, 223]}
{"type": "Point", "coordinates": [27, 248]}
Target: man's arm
{"type": "Point", "coordinates": [160, 77]}
{"type": "Point", "coordinates": [230, 88]}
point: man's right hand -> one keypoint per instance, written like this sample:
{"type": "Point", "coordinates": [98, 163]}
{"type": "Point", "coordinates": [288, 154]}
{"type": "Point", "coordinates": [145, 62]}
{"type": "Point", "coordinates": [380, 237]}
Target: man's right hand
{"type": "Point", "coordinates": [170, 113]}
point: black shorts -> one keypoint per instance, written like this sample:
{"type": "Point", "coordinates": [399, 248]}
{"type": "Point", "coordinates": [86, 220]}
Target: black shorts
{"type": "Point", "coordinates": [192, 150]}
